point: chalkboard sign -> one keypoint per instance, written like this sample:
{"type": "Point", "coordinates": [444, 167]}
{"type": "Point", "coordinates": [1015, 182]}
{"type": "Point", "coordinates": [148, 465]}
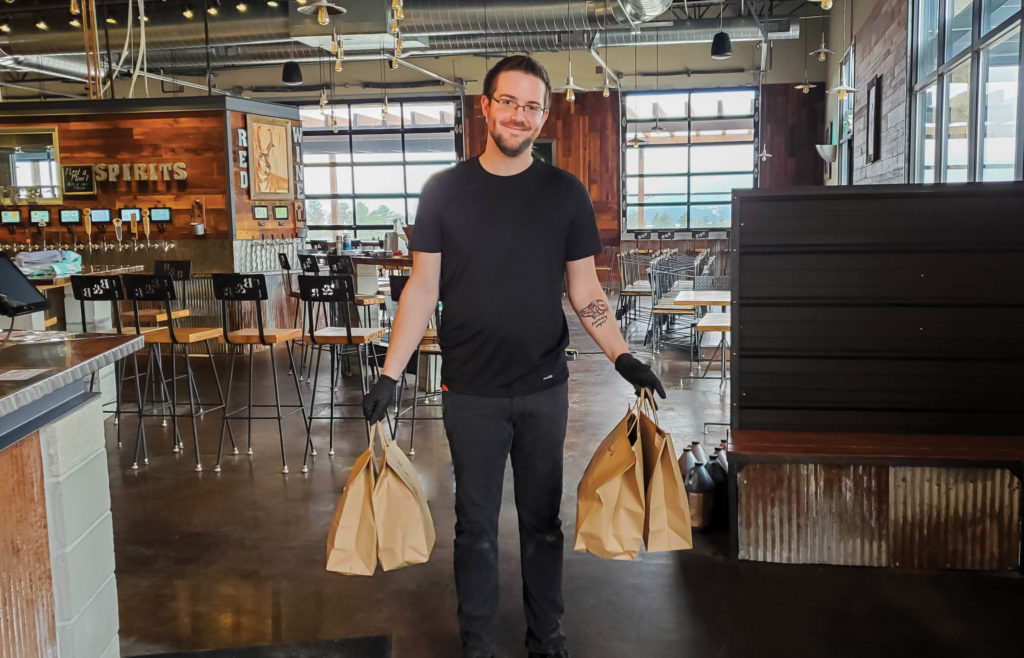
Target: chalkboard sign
{"type": "Point", "coordinates": [78, 180]}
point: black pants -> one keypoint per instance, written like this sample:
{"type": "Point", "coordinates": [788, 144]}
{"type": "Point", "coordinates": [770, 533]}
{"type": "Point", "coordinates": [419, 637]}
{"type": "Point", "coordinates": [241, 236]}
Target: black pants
{"type": "Point", "coordinates": [482, 433]}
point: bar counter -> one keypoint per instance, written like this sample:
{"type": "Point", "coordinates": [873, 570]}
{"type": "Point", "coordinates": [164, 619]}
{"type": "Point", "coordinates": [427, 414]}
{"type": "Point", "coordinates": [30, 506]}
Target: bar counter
{"type": "Point", "coordinates": [56, 535]}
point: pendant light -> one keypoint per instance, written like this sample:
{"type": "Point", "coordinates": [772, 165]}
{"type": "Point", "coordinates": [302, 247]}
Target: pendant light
{"type": "Point", "coordinates": [763, 155]}
{"type": "Point", "coordinates": [637, 139]}
{"type": "Point", "coordinates": [842, 89]}
{"type": "Point", "coordinates": [823, 52]}
{"type": "Point", "coordinates": [806, 86]}
{"type": "Point", "coordinates": [291, 73]}
{"type": "Point", "coordinates": [384, 111]}
{"type": "Point", "coordinates": [721, 44]}
{"type": "Point", "coordinates": [825, 4]}
{"type": "Point", "coordinates": [656, 129]}
{"type": "Point", "coordinates": [570, 87]}
{"type": "Point", "coordinates": [324, 11]}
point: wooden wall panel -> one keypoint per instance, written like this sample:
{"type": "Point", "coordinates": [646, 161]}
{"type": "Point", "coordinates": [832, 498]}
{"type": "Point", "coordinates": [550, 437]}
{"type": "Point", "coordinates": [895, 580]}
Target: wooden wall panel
{"type": "Point", "coordinates": [195, 138]}
{"type": "Point", "coordinates": [586, 135]}
{"type": "Point", "coordinates": [27, 626]}
{"type": "Point", "coordinates": [246, 228]}
{"type": "Point", "coordinates": [793, 122]}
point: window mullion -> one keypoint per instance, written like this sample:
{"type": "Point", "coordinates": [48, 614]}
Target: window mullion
{"type": "Point", "coordinates": [972, 117]}
{"type": "Point", "coordinates": [1019, 165]}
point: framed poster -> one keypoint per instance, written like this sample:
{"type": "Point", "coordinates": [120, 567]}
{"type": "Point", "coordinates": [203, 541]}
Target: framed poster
{"type": "Point", "coordinates": [874, 114]}
{"type": "Point", "coordinates": [78, 180]}
{"type": "Point", "coordinates": [270, 158]}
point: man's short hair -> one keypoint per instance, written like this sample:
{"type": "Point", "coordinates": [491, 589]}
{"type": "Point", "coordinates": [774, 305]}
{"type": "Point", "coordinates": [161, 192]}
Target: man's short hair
{"type": "Point", "coordinates": [523, 63]}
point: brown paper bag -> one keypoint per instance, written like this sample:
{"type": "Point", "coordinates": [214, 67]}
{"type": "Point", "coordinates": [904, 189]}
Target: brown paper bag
{"type": "Point", "coordinates": [667, 517]}
{"type": "Point", "coordinates": [405, 530]}
{"type": "Point", "coordinates": [352, 540]}
{"type": "Point", "coordinates": [610, 497]}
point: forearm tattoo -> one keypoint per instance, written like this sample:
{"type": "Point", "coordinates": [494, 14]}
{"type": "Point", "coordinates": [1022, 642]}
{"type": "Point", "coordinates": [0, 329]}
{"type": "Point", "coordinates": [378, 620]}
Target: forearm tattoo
{"type": "Point", "coordinates": [597, 311]}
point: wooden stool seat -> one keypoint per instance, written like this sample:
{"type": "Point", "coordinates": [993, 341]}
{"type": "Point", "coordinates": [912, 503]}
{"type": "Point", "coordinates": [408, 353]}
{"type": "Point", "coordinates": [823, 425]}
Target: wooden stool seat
{"type": "Point", "coordinates": [430, 348]}
{"type": "Point", "coordinates": [162, 335]}
{"type": "Point", "coordinates": [50, 322]}
{"type": "Point", "coordinates": [128, 331]}
{"type": "Point", "coordinates": [369, 300]}
{"type": "Point", "coordinates": [429, 337]}
{"type": "Point", "coordinates": [715, 322]}
{"type": "Point", "coordinates": [270, 336]}
{"type": "Point", "coordinates": [152, 315]}
{"type": "Point", "coordinates": [339, 336]}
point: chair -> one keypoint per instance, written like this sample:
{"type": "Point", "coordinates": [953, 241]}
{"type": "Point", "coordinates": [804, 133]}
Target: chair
{"type": "Point", "coordinates": [99, 288]}
{"type": "Point", "coordinates": [160, 289]}
{"type": "Point", "coordinates": [343, 265]}
{"type": "Point", "coordinates": [179, 271]}
{"type": "Point", "coordinates": [293, 294]}
{"type": "Point", "coordinates": [330, 296]}
{"type": "Point", "coordinates": [252, 288]}
{"type": "Point", "coordinates": [428, 346]}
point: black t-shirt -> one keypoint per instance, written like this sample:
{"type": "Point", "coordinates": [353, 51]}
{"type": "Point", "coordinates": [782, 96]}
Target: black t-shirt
{"type": "Point", "coordinates": [504, 242]}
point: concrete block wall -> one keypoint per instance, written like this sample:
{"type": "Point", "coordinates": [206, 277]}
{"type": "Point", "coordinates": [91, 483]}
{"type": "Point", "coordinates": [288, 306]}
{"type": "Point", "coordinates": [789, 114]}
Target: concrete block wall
{"type": "Point", "coordinates": [880, 48]}
{"type": "Point", "coordinates": [81, 534]}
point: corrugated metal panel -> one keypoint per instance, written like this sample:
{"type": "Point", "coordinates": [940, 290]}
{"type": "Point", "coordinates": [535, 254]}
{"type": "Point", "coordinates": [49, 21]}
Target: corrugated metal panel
{"type": "Point", "coordinates": [955, 518]}
{"type": "Point", "coordinates": [813, 514]}
{"type": "Point", "coordinates": [875, 515]}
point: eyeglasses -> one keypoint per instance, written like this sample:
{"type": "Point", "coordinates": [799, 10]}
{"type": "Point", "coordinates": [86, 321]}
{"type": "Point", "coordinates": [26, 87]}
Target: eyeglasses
{"type": "Point", "coordinates": [531, 110]}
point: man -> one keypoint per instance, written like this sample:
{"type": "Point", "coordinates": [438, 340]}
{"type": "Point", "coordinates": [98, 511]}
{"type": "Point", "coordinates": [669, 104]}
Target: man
{"type": "Point", "coordinates": [494, 236]}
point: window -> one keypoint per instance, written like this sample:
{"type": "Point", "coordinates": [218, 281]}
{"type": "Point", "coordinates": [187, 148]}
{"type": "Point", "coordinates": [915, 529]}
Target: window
{"type": "Point", "coordinates": [684, 153]}
{"type": "Point", "coordinates": [846, 121]}
{"type": "Point", "coordinates": [369, 174]}
{"type": "Point", "coordinates": [998, 103]}
{"type": "Point", "coordinates": [967, 91]}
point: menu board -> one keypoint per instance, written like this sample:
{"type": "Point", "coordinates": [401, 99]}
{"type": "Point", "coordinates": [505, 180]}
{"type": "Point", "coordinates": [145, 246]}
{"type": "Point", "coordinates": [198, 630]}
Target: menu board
{"type": "Point", "coordinates": [100, 216]}
{"type": "Point", "coordinates": [159, 214]}
{"type": "Point", "coordinates": [10, 216]}
{"type": "Point", "coordinates": [70, 216]}
{"type": "Point", "coordinates": [39, 216]}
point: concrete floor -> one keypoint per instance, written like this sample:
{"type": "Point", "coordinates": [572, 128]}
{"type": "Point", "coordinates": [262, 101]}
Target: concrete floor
{"type": "Point", "coordinates": [237, 558]}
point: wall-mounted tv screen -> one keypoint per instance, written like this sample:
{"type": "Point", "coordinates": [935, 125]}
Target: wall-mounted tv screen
{"type": "Point", "coordinates": [159, 214]}
{"type": "Point", "coordinates": [10, 216]}
{"type": "Point", "coordinates": [39, 216]}
{"type": "Point", "coordinates": [70, 216]}
{"type": "Point", "coordinates": [100, 216]}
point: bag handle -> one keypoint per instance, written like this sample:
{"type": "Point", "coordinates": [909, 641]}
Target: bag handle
{"type": "Point", "coordinates": [645, 402]}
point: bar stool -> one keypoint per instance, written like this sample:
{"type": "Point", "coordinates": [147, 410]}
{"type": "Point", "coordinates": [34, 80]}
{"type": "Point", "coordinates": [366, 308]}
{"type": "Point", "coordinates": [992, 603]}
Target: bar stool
{"type": "Point", "coordinates": [98, 288]}
{"type": "Point", "coordinates": [343, 265]}
{"type": "Point", "coordinates": [428, 346]}
{"type": "Point", "coordinates": [293, 295]}
{"type": "Point", "coordinates": [241, 288]}
{"type": "Point", "coordinates": [155, 288]}
{"type": "Point", "coordinates": [333, 294]}
{"type": "Point", "coordinates": [308, 264]}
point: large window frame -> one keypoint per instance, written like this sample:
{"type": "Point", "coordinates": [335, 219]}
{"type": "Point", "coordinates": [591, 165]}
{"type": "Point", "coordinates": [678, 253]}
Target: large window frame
{"type": "Point", "coordinates": [981, 39]}
{"type": "Point", "coordinates": [349, 135]}
{"type": "Point", "coordinates": [692, 124]}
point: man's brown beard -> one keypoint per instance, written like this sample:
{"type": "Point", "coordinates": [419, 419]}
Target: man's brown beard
{"type": "Point", "coordinates": [526, 144]}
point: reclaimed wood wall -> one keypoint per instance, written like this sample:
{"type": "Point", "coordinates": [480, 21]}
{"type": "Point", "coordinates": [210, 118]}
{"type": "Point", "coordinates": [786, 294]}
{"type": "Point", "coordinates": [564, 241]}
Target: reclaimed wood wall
{"type": "Point", "coordinates": [195, 138]}
{"type": "Point", "coordinates": [27, 623]}
{"type": "Point", "coordinates": [586, 135]}
{"type": "Point", "coordinates": [793, 122]}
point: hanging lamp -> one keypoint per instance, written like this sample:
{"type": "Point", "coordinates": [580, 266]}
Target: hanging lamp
{"type": "Point", "coordinates": [291, 73]}
{"type": "Point", "coordinates": [570, 87]}
{"type": "Point", "coordinates": [823, 52]}
{"type": "Point", "coordinates": [843, 89]}
{"type": "Point", "coordinates": [324, 11]}
{"type": "Point", "coordinates": [637, 139]}
{"type": "Point", "coordinates": [806, 86]}
{"type": "Point", "coordinates": [721, 44]}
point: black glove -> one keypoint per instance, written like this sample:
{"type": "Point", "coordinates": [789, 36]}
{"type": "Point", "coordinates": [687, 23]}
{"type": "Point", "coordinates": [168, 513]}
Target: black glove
{"type": "Point", "coordinates": [638, 374]}
{"type": "Point", "coordinates": [380, 397]}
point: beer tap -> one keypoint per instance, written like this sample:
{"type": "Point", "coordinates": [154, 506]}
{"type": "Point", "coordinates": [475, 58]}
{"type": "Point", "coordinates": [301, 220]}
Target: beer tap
{"type": "Point", "coordinates": [117, 221]}
{"type": "Point", "coordinates": [134, 226]}
{"type": "Point", "coordinates": [87, 224]}
{"type": "Point", "coordinates": [145, 226]}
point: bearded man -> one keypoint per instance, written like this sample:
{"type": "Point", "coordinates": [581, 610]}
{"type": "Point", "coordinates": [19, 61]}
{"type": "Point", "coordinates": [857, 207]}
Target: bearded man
{"type": "Point", "coordinates": [494, 237]}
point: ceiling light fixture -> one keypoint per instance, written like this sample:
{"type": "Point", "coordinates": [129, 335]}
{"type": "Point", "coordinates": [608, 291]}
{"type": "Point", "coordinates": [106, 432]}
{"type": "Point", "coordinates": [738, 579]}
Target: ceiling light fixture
{"type": "Point", "coordinates": [825, 4]}
{"type": "Point", "coordinates": [806, 87]}
{"type": "Point", "coordinates": [823, 52]}
{"type": "Point", "coordinates": [570, 87]}
{"type": "Point", "coordinates": [241, 7]}
{"type": "Point", "coordinates": [5, 27]}
{"type": "Point", "coordinates": [271, 3]}
{"type": "Point", "coordinates": [74, 22]}
{"type": "Point", "coordinates": [721, 44]}
{"type": "Point", "coordinates": [188, 13]}
{"type": "Point", "coordinates": [214, 8]}
{"type": "Point", "coordinates": [110, 19]}
{"type": "Point", "coordinates": [637, 139]}
{"type": "Point", "coordinates": [42, 25]}
{"type": "Point", "coordinates": [291, 73]}
{"type": "Point", "coordinates": [843, 89]}
{"type": "Point", "coordinates": [323, 11]}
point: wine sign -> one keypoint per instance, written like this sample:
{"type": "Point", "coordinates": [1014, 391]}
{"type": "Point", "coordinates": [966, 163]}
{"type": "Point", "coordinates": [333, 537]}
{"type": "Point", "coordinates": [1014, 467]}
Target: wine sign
{"type": "Point", "coordinates": [78, 180]}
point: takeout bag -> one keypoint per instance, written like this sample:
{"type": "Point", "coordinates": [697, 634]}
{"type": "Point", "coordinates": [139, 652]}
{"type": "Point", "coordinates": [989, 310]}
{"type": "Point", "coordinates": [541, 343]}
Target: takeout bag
{"type": "Point", "coordinates": [405, 530]}
{"type": "Point", "coordinates": [610, 497]}
{"type": "Point", "coordinates": [667, 513]}
{"type": "Point", "coordinates": [352, 540]}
